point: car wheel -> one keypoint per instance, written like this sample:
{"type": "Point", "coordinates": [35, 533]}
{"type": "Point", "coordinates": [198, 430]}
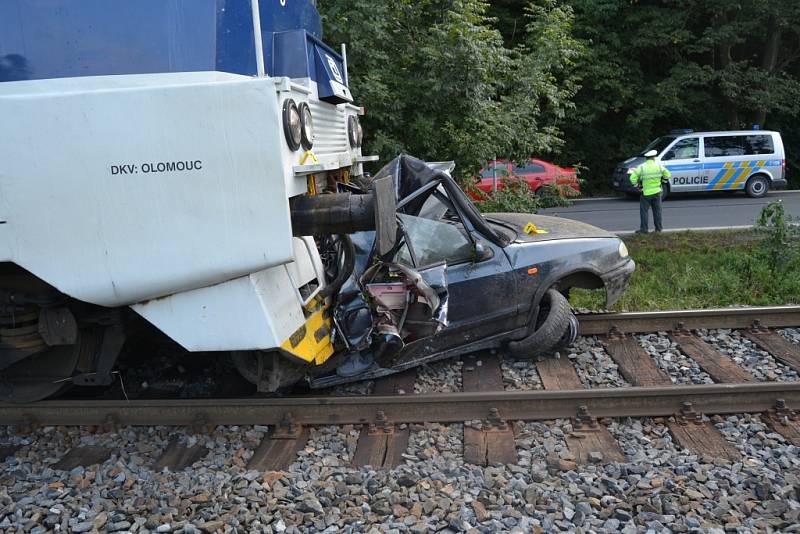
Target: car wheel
{"type": "Point", "coordinates": [552, 323]}
{"type": "Point", "coordinates": [757, 186]}
{"type": "Point", "coordinates": [570, 335]}
{"type": "Point", "coordinates": [664, 192]}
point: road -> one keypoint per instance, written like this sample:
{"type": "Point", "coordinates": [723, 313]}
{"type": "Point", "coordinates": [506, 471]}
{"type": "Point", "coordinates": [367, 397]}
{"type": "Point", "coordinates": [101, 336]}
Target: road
{"type": "Point", "coordinates": [680, 212]}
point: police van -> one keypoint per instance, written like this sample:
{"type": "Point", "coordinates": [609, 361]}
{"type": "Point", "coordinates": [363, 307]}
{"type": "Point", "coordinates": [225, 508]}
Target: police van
{"type": "Point", "coordinates": [749, 160]}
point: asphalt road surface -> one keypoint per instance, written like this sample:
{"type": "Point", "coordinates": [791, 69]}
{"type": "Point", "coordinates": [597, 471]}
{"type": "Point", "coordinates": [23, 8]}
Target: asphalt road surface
{"type": "Point", "coordinates": [680, 212]}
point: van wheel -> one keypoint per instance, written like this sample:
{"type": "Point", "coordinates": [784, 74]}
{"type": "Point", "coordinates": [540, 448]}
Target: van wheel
{"type": "Point", "coordinates": [757, 186]}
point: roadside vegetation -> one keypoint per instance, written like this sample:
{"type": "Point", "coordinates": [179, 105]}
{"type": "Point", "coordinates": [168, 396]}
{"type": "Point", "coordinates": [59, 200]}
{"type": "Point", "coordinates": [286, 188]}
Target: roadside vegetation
{"type": "Point", "coordinates": [572, 81]}
{"type": "Point", "coordinates": [516, 197]}
{"type": "Point", "coordinates": [689, 270]}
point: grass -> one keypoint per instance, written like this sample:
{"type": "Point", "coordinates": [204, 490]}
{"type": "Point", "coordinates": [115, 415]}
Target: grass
{"type": "Point", "coordinates": [690, 270]}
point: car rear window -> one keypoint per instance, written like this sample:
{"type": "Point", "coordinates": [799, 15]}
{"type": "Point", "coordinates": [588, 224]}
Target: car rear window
{"type": "Point", "coordinates": [488, 172]}
{"type": "Point", "coordinates": [738, 145]}
{"type": "Point", "coordinates": [527, 168]}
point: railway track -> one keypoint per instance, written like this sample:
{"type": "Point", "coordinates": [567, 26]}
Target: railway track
{"type": "Point", "coordinates": [489, 410]}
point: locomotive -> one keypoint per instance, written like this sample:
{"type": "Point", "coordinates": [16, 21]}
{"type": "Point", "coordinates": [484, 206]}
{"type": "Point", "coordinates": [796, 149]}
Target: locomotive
{"type": "Point", "coordinates": [195, 166]}
{"type": "Point", "coordinates": [149, 154]}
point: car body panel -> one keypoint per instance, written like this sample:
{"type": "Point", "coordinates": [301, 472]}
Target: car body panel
{"type": "Point", "coordinates": [551, 228]}
{"type": "Point", "coordinates": [569, 247]}
{"type": "Point", "coordinates": [536, 173]}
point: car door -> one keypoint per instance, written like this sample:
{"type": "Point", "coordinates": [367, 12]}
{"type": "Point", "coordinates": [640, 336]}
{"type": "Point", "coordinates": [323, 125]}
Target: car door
{"type": "Point", "coordinates": [682, 159]}
{"type": "Point", "coordinates": [481, 284]}
{"type": "Point", "coordinates": [534, 174]}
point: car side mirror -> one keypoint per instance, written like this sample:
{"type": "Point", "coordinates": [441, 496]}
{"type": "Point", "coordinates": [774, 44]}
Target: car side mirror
{"type": "Point", "coordinates": [482, 252]}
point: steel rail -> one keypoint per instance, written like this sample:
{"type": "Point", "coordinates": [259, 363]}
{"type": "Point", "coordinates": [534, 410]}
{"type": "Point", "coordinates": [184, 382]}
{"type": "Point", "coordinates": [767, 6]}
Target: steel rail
{"type": "Point", "coordinates": [635, 322]}
{"type": "Point", "coordinates": [447, 407]}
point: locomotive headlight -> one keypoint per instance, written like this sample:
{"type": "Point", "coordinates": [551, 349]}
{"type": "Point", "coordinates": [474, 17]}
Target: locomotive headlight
{"type": "Point", "coordinates": [292, 126]}
{"type": "Point", "coordinates": [353, 128]}
{"type": "Point", "coordinates": [360, 132]}
{"type": "Point", "coordinates": [306, 126]}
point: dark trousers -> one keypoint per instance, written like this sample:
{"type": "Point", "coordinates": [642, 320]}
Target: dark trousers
{"type": "Point", "coordinates": [644, 207]}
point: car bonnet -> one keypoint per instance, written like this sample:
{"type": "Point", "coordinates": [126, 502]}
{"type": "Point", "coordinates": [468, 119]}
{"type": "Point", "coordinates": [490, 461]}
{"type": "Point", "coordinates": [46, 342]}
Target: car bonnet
{"type": "Point", "coordinates": [547, 228]}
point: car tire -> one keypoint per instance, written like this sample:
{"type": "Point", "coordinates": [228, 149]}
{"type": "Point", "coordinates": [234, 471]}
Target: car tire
{"type": "Point", "coordinates": [551, 325]}
{"type": "Point", "coordinates": [664, 192]}
{"type": "Point", "coordinates": [757, 186]}
{"type": "Point", "coordinates": [570, 335]}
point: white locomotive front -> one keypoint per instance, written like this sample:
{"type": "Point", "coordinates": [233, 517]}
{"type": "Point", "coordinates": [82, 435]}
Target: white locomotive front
{"type": "Point", "coordinates": [148, 159]}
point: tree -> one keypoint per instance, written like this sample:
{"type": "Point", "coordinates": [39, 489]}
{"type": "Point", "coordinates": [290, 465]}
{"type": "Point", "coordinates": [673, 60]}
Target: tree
{"type": "Point", "coordinates": [438, 82]}
{"type": "Point", "coordinates": [658, 65]}
{"type": "Point", "coordinates": [464, 80]}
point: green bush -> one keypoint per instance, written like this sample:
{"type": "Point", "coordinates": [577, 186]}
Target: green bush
{"type": "Point", "coordinates": [515, 196]}
{"type": "Point", "coordinates": [779, 250]}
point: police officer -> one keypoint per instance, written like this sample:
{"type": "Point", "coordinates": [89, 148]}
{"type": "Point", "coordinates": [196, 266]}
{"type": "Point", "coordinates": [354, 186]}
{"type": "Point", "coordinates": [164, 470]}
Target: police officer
{"type": "Point", "coordinates": [648, 177]}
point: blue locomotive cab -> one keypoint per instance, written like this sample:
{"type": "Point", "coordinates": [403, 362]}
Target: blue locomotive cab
{"type": "Point", "coordinates": [68, 38]}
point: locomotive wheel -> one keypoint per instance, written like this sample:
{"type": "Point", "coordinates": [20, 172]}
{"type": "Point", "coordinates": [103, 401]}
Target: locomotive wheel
{"type": "Point", "coordinates": [47, 372]}
{"type": "Point", "coordinates": [277, 372]}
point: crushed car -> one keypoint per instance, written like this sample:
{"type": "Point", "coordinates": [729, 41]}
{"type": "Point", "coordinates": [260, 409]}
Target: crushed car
{"type": "Point", "coordinates": [448, 280]}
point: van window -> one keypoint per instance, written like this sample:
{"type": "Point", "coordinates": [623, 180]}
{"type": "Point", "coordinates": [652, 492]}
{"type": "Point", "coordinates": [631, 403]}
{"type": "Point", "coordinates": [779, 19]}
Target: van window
{"type": "Point", "coordinates": [658, 144]}
{"type": "Point", "coordinates": [759, 144]}
{"type": "Point", "coordinates": [739, 145]}
{"type": "Point", "coordinates": [730, 145]}
{"type": "Point", "coordinates": [684, 149]}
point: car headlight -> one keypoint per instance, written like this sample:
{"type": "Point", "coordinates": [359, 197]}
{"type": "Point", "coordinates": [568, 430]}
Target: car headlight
{"type": "Point", "coordinates": [306, 126]}
{"type": "Point", "coordinates": [623, 250]}
{"type": "Point", "coordinates": [354, 132]}
{"type": "Point", "coordinates": [292, 127]}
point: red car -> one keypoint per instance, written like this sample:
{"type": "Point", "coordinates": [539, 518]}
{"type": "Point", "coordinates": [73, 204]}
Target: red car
{"type": "Point", "coordinates": [535, 172]}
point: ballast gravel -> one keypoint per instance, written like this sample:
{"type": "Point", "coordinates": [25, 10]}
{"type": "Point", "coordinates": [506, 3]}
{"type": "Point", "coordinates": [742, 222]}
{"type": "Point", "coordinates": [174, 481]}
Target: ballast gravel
{"type": "Point", "coordinates": [666, 354]}
{"type": "Point", "coordinates": [520, 375]}
{"type": "Point", "coordinates": [792, 334]}
{"type": "Point", "coordinates": [439, 377]}
{"type": "Point", "coordinates": [363, 387]}
{"type": "Point", "coordinates": [595, 367]}
{"type": "Point", "coordinates": [659, 489]}
{"type": "Point", "coordinates": [744, 352]}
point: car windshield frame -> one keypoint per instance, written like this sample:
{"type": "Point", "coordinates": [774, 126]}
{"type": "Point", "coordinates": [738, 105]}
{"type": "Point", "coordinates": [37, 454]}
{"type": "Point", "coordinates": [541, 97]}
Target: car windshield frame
{"type": "Point", "coordinates": [415, 181]}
